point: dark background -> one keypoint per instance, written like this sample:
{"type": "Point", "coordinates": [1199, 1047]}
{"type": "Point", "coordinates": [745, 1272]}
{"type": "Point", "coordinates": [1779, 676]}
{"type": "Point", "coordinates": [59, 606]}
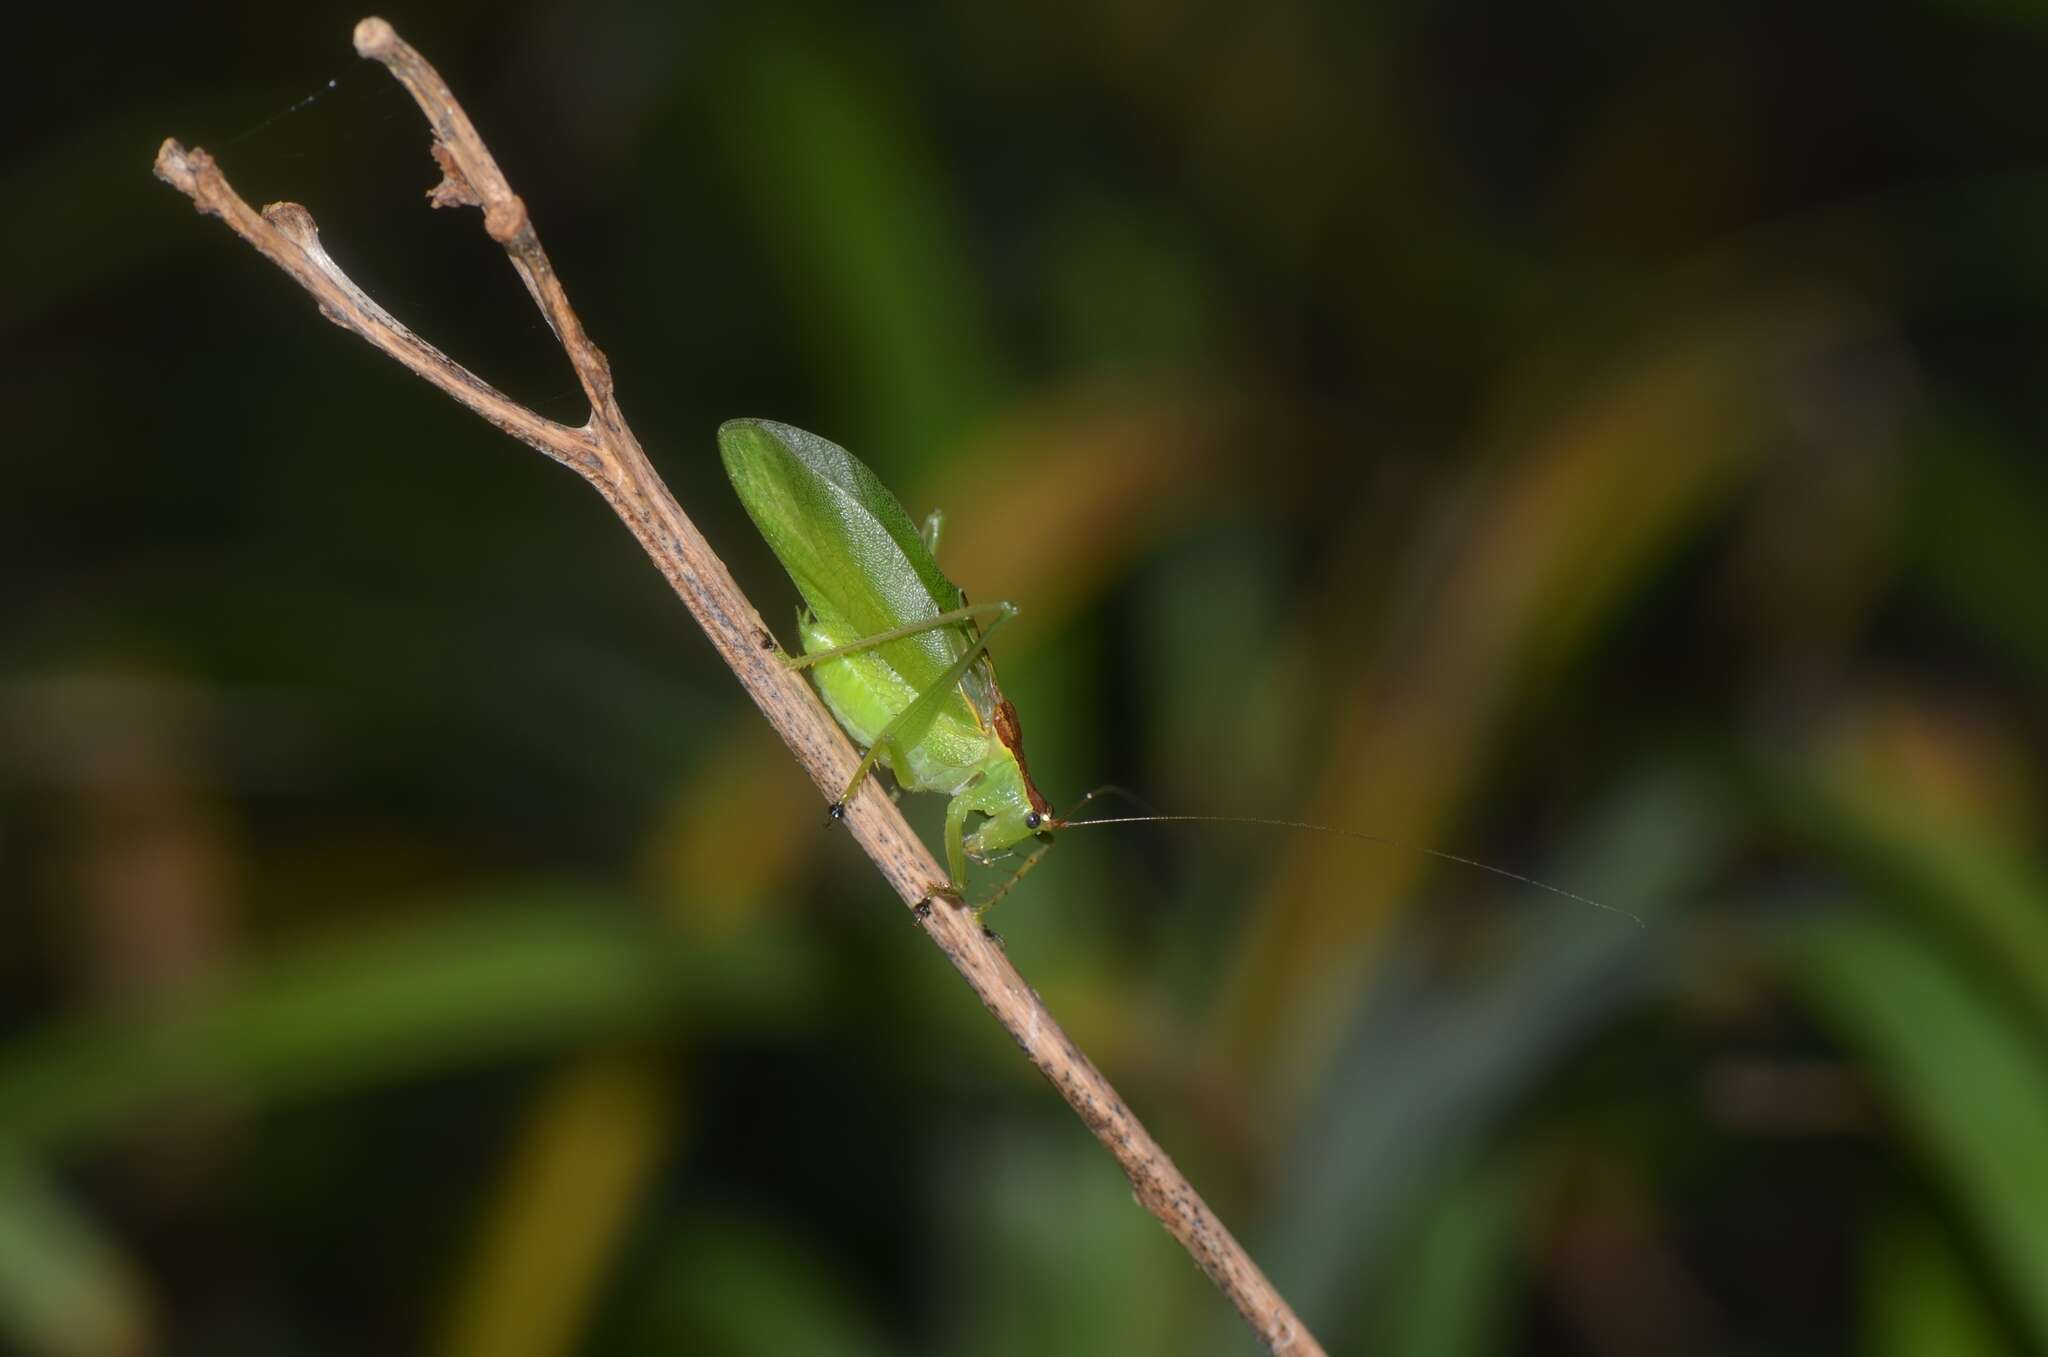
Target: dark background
{"type": "Point", "coordinates": [1598, 439]}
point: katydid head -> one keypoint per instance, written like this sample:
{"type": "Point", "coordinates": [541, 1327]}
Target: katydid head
{"type": "Point", "coordinates": [1015, 808]}
{"type": "Point", "coordinates": [1001, 832]}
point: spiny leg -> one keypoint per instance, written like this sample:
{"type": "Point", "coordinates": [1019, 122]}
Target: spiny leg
{"type": "Point", "coordinates": [1011, 884]}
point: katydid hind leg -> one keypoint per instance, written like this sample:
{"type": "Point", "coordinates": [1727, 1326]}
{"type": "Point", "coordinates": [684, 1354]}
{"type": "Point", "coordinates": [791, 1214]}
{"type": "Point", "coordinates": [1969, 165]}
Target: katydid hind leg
{"type": "Point", "coordinates": [951, 618]}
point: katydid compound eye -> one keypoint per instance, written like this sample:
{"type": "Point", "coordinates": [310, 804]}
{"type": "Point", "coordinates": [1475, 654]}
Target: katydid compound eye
{"type": "Point", "coordinates": [1032, 821]}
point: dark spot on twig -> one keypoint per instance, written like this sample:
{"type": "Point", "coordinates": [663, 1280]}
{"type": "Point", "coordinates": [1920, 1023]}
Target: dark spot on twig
{"type": "Point", "coordinates": [836, 813]}
{"type": "Point", "coordinates": [767, 641]}
{"type": "Point", "coordinates": [923, 910]}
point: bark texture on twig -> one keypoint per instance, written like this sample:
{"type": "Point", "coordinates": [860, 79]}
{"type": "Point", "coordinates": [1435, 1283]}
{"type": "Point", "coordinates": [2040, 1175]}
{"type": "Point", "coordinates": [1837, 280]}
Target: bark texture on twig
{"type": "Point", "coordinates": [605, 453]}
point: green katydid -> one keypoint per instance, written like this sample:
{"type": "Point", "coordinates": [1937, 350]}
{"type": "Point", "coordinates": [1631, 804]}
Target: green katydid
{"type": "Point", "coordinates": [898, 653]}
{"type": "Point", "coordinates": [901, 657]}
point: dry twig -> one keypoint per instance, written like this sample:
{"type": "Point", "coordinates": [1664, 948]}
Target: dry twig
{"type": "Point", "coordinates": [605, 453]}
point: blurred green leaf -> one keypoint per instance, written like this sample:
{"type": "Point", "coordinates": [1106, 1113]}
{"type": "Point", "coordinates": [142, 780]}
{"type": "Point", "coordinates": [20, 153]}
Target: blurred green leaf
{"type": "Point", "coordinates": [1451, 1291]}
{"type": "Point", "coordinates": [65, 1290]}
{"type": "Point", "coordinates": [1429, 1070]}
{"type": "Point", "coordinates": [1978, 531]}
{"type": "Point", "coordinates": [1920, 1297]}
{"type": "Point", "coordinates": [1964, 1072]}
{"type": "Point", "coordinates": [740, 1287]}
{"type": "Point", "coordinates": [850, 199]}
{"type": "Point", "coordinates": [1043, 1249]}
{"type": "Point", "coordinates": [1048, 1252]}
{"type": "Point", "coordinates": [1981, 893]}
{"type": "Point", "coordinates": [574, 1182]}
{"type": "Point", "coordinates": [542, 973]}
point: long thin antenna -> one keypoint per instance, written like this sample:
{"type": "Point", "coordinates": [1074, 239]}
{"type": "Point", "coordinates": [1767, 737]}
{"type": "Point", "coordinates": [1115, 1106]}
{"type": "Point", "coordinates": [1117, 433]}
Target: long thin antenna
{"type": "Point", "coordinates": [1361, 837]}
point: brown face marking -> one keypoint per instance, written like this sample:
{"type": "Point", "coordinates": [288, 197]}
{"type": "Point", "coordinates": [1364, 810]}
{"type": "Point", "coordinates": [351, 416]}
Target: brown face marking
{"type": "Point", "coordinates": [1012, 735]}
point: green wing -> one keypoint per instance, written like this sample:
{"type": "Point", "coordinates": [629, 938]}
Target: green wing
{"type": "Point", "coordinates": [855, 556]}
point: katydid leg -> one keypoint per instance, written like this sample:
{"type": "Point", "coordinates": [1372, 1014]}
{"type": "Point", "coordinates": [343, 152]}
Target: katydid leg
{"type": "Point", "coordinates": [946, 619]}
{"type": "Point", "coordinates": [1026, 865]}
{"type": "Point", "coordinates": [957, 811]}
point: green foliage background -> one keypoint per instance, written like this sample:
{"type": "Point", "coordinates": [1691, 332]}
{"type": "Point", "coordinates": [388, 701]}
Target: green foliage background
{"type": "Point", "coordinates": [1602, 440]}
